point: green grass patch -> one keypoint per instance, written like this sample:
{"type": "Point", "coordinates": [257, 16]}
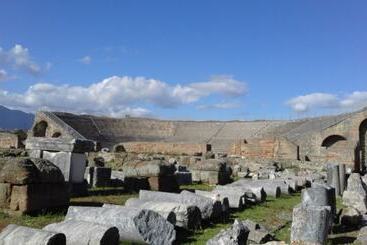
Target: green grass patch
{"type": "Point", "coordinates": [202, 187]}
{"type": "Point", "coordinates": [275, 214]}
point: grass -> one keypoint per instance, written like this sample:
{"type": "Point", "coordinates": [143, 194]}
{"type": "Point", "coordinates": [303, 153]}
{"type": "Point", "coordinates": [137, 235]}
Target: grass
{"type": "Point", "coordinates": [275, 214]}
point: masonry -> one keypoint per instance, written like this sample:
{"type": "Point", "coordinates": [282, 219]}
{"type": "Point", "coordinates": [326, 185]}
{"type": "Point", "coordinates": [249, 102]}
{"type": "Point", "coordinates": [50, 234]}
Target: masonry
{"type": "Point", "coordinates": [340, 138]}
{"type": "Point", "coordinates": [10, 140]}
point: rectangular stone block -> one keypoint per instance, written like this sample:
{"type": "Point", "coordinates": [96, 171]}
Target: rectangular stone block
{"type": "Point", "coordinates": [34, 197]}
{"type": "Point", "coordinates": [72, 165]}
{"type": "Point", "coordinates": [163, 183]}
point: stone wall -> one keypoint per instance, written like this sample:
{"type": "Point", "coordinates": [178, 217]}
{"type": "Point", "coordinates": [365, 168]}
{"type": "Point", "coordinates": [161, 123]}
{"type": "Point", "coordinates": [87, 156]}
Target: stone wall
{"type": "Point", "coordinates": [165, 148]}
{"type": "Point", "coordinates": [9, 140]}
{"type": "Point", "coordinates": [266, 148]}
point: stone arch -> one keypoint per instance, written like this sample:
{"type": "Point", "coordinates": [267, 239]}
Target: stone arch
{"type": "Point", "coordinates": [363, 143]}
{"type": "Point", "coordinates": [39, 130]}
{"type": "Point", "coordinates": [56, 135]}
{"type": "Point", "coordinates": [331, 140]}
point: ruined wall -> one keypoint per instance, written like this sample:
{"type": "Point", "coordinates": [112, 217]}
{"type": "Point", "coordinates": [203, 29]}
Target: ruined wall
{"type": "Point", "coordinates": [164, 148]}
{"type": "Point", "coordinates": [9, 140]}
{"type": "Point", "coordinates": [267, 148]}
{"type": "Point", "coordinates": [344, 148]}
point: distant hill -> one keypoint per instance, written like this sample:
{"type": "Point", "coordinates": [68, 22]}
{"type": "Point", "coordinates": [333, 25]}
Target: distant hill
{"type": "Point", "coordinates": [14, 119]}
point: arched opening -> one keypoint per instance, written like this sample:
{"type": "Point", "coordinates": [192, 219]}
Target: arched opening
{"type": "Point", "coordinates": [56, 135]}
{"type": "Point", "coordinates": [331, 140]}
{"type": "Point", "coordinates": [39, 130]}
{"type": "Point", "coordinates": [363, 143]}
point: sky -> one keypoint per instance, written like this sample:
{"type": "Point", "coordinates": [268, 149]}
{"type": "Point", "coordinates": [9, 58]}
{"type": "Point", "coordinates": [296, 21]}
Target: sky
{"type": "Point", "coordinates": [188, 60]}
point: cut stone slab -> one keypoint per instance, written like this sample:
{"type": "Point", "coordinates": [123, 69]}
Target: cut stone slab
{"type": "Point", "coordinates": [310, 224]}
{"type": "Point", "coordinates": [148, 168]}
{"type": "Point", "coordinates": [85, 233]}
{"type": "Point", "coordinates": [17, 235]}
{"type": "Point", "coordinates": [362, 235]}
{"type": "Point", "coordinates": [186, 216]}
{"type": "Point", "coordinates": [258, 234]}
{"type": "Point", "coordinates": [330, 193]}
{"type": "Point", "coordinates": [236, 199]}
{"type": "Point", "coordinates": [19, 171]}
{"type": "Point", "coordinates": [355, 195]}
{"type": "Point", "coordinates": [258, 192]}
{"type": "Point", "coordinates": [158, 208]}
{"type": "Point", "coordinates": [271, 189]}
{"type": "Point", "coordinates": [235, 235]}
{"type": "Point", "coordinates": [134, 225]}
{"type": "Point", "coordinates": [216, 197]}
{"type": "Point", "coordinates": [207, 208]}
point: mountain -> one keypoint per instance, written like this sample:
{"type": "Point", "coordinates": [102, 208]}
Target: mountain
{"type": "Point", "coordinates": [14, 119]}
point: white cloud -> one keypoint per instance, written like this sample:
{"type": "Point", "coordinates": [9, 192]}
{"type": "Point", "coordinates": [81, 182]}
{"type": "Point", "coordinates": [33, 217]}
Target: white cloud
{"type": "Point", "coordinates": [86, 60]}
{"type": "Point", "coordinates": [19, 57]}
{"type": "Point", "coordinates": [3, 75]}
{"type": "Point", "coordinates": [316, 101]}
{"type": "Point", "coordinates": [223, 106]}
{"type": "Point", "coordinates": [111, 96]}
{"type": "Point", "coordinates": [222, 84]}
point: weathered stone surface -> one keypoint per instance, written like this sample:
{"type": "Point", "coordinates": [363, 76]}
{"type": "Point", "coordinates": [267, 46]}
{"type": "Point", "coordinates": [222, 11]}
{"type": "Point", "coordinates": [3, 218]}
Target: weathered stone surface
{"type": "Point", "coordinates": [271, 189]}
{"type": "Point", "coordinates": [159, 208]}
{"type": "Point", "coordinates": [331, 195]}
{"type": "Point", "coordinates": [217, 197]}
{"type": "Point", "coordinates": [163, 183]}
{"type": "Point", "coordinates": [5, 192]}
{"type": "Point", "coordinates": [17, 235]}
{"type": "Point", "coordinates": [207, 208]}
{"type": "Point", "coordinates": [19, 171]}
{"type": "Point", "coordinates": [362, 235]}
{"type": "Point", "coordinates": [235, 235]}
{"type": "Point", "coordinates": [136, 225]}
{"type": "Point", "coordinates": [355, 194]}
{"type": "Point", "coordinates": [236, 199]}
{"type": "Point", "coordinates": [350, 217]}
{"type": "Point", "coordinates": [72, 165]}
{"type": "Point", "coordinates": [60, 144]}
{"type": "Point", "coordinates": [85, 233]}
{"type": "Point", "coordinates": [35, 197]}
{"type": "Point", "coordinates": [148, 168]}
{"type": "Point", "coordinates": [211, 171]}
{"type": "Point", "coordinates": [186, 216]}
{"type": "Point", "coordinates": [252, 194]}
{"type": "Point", "coordinates": [310, 224]}
{"type": "Point", "coordinates": [258, 234]}
{"type": "Point", "coordinates": [48, 172]}
{"type": "Point", "coordinates": [315, 196]}
{"type": "Point", "coordinates": [333, 178]}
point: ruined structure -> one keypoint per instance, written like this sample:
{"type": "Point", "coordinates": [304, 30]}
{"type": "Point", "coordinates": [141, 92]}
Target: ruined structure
{"type": "Point", "coordinates": [340, 138]}
{"type": "Point", "coordinates": [10, 140]}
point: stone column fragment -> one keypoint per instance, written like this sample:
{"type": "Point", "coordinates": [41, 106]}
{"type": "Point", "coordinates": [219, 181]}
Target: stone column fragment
{"type": "Point", "coordinates": [16, 235]}
{"type": "Point", "coordinates": [134, 225]}
{"type": "Point", "coordinates": [85, 233]}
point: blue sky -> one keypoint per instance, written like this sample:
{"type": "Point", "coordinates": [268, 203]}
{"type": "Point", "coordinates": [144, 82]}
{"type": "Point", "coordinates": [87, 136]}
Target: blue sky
{"type": "Point", "coordinates": [187, 59]}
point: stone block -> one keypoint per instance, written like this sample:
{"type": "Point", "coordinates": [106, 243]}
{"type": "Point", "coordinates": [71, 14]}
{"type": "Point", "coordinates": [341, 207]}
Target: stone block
{"type": "Point", "coordinates": [5, 192]}
{"type": "Point", "coordinates": [72, 165]}
{"type": "Point", "coordinates": [88, 233]}
{"type": "Point", "coordinates": [310, 224]}
{"type": "Point", "coordinates": [35, 197]}
{"type": "Point", "coordinates": [17, 235]}
{"type": "Point", "coordinates": [163, 183]}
